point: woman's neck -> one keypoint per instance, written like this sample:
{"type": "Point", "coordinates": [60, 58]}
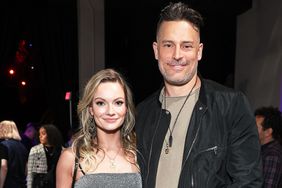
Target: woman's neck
{"type": "Point", "coordinates": [109, 142]}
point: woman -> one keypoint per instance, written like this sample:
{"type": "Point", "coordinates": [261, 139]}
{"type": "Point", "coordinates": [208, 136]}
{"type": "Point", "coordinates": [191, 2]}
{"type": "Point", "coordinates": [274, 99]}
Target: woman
{"type": "Point", "coordinates": [43, 158]}
{"type": "Point", "coordinates": [3, 164]}
{"type": "Point", "coordinates": [14, 167]}
{"type": "Point", "coordinates": [104, 148]}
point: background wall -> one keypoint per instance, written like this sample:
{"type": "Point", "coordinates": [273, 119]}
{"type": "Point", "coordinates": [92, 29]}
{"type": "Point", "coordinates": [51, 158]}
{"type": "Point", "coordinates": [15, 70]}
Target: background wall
{"type": "Point", "coordinates": [91, 37]}
{"type": "Point", "coordinates": [258, 70]}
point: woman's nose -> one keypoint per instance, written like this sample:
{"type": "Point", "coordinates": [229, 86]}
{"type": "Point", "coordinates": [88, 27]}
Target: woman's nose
{"type": "Point", "coordinates": [110, 111]}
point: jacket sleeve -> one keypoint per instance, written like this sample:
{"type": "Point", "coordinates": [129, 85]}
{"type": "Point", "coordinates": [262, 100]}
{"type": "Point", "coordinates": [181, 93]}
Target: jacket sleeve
{"type": "Point", "coordinates": [244, 160]}
{"type": "Point", "coordinates": [30, 164]}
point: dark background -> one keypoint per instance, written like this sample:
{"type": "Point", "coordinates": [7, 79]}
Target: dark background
{"type": "Point", "coordinates": [49, 29]}
{"type": "Point", "coordinates": [130, 31]}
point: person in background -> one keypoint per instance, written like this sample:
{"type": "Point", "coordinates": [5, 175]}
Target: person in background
{"type": "Point", "coordinates": [71, 136]}
{"type": "Point", "coordinates": [103, 153]}
{"type": "Point", "coordinates": [3, 164]}
{"type": "Point", "coordinates": [193, 132]}
{"type": "Point", "coordinates": [43, 158]}
{"type": "Point", "coordinates": [29, 136]}
{"type": "Point", "coordinates": [15, 168]}
{"type": "Point", "coordinates": [269, 124]}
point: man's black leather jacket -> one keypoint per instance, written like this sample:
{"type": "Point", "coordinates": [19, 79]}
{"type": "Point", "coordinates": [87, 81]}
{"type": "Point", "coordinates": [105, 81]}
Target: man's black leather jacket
{"type": "Point", "coordinates": [222, 148]}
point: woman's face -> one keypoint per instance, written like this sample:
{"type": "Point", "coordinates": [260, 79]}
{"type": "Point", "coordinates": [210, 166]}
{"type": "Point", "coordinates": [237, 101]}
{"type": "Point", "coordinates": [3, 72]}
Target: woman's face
{"type": "Point", "coordinates": [109, 107]}
{"type": "Point", "coordinates": [43, 138]}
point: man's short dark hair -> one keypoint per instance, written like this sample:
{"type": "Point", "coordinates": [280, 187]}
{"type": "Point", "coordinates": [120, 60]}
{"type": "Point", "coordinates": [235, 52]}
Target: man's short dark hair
{"type": "Point", "coordinates": [272, 119]}
{"type": "Point", "coordinates": [180, 11]}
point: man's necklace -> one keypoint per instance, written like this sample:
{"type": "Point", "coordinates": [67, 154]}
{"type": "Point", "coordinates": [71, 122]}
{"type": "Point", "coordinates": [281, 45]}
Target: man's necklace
{"type": "Point", "coordinates": [170, 138]}
{"type": "Point", "coordinates": [112, 159]}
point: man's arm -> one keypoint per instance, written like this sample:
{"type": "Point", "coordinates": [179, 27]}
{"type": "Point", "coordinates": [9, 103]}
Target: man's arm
{"type": "Point", "coordinates": [272, 171]}
{"type": "Point", "coordinates": [244, 160]}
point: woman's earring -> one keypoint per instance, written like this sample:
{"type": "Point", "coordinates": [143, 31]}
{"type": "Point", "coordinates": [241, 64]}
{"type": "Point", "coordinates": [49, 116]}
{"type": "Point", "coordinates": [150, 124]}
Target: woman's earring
{"type": "Point", "coordinates": [92, 129]}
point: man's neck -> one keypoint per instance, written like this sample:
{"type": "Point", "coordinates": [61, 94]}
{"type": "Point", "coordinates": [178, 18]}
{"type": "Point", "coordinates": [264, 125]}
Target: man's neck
{"type": "Point", "coordinates": [183, 90]}
{"type": "Point", "coordinates": [267, 140]}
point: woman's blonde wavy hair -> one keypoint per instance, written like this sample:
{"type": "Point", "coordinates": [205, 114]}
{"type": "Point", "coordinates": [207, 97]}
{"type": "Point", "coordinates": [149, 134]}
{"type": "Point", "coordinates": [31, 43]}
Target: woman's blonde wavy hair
{"type": "Point", "coordinates": [9, 130]}
{"type": "Point", "coordinates": [84, 139]}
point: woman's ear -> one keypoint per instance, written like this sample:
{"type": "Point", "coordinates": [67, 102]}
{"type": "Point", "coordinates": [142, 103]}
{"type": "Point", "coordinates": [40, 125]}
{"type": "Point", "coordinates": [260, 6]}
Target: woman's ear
{"type": "Point", "coordinates": [90, 109]}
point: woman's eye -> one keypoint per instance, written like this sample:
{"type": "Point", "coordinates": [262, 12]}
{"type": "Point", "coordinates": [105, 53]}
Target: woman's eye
{"type": "Point", "coordinates": [100, 103]}
{"type": "Point", "coordinates": [119, 103]}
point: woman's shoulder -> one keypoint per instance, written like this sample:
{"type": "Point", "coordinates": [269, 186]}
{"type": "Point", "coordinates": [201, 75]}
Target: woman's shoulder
{"type": "Point", "coordinates": [68, 151]}
{"type": "Point", "coordinates": [37, 147]}
{"type": "Point", "coordinates": [67, 160]}
{"type": "Point", "coordinates": [67, 154]}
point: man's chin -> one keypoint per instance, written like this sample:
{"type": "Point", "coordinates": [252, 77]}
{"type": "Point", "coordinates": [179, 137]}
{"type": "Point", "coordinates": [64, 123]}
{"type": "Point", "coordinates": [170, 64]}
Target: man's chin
{"type": "Point", "coordinates": [177, 82]}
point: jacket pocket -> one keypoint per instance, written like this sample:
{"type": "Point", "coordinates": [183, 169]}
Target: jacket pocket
{"type": "Point", "coordinates": [205, 166]}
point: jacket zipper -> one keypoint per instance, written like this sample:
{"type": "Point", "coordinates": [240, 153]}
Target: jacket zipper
{"type": "Point", "coordinates": [214, 149]}
{"type": "Point", "coordinates": [192, 145]}
{"type": "Point", "coordinates": [151, 148]}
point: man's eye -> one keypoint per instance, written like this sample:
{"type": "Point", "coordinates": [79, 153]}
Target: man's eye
{"type": "Point", "coordinates": [168, 45]}
{"type": "Point", "coordinates": [187, 46]}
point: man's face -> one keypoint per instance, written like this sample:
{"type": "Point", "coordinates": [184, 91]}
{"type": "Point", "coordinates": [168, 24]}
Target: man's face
{"type": "Point", "coordinates": [178, 50]}
{"type": "Point", "coordinates": [261, 131]}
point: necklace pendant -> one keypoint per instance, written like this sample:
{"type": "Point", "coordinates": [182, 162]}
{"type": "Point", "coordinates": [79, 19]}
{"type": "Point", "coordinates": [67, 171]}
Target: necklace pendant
{"type": "Point", "coordinates": [166, 149]}
{"type": "Point", "coordinates": [113, 164]}
{"type": "Point", "coordinates": [112, 161]}
{"type": "Point", "coordinates": [170, 141]}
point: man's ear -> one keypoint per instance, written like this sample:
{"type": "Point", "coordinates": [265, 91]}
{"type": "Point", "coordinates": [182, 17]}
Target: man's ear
{"type": "Point", "coordinates": [200, 51]}
{"type": "Point", "coordinates": [268, 132]}
{"type": "Point", "coordinates": [155, 48]}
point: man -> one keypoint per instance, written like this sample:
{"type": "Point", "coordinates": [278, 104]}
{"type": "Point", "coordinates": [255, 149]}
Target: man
{"type": "Point", "coordinates": [269, 124]}
{"type": "Point", "coordinates": [193, 132]}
